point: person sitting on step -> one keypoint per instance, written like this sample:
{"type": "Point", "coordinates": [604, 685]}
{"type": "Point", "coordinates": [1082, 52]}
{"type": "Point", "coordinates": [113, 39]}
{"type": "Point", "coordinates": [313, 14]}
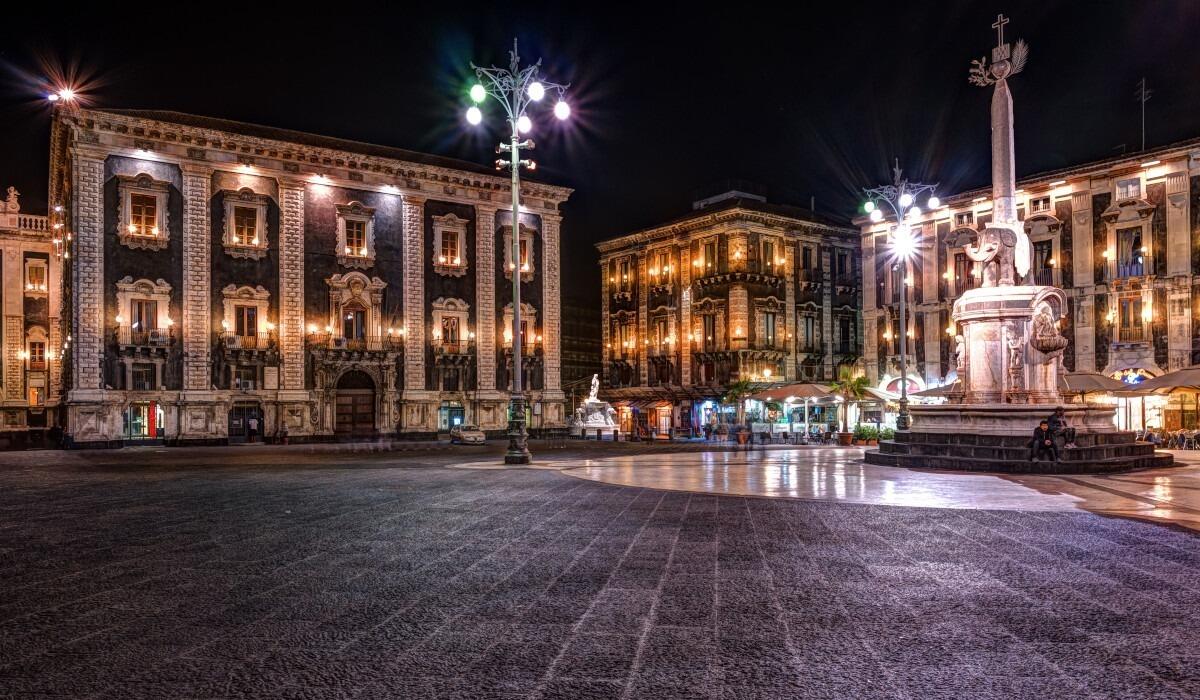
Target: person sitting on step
{"type": "Point", "coordinates": [1059, 426]}
{"type": "Point", "coordinates": [1043, 442]}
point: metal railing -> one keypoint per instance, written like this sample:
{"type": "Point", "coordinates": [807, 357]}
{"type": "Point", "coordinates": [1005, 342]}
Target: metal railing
{"type": "Point", "coordinates": [1131, 334]}
{"type": "Point", "coordinates": [1133, 266]}
{"type": "Point", "coordinates": [254, 341]}
{"type": "Point", "coordinates": [370, 343]}
{"type": "Point", "coordinates": [1046, 276]}
{"type": "Point", "coordinates": [154, 337]}
{"type": "Point", "coordinates": [459, 347]}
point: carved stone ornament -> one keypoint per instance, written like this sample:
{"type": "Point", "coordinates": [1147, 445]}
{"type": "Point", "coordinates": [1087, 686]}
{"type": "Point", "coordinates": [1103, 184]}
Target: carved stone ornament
{"type": "Point", "coordinates": [143, 185]}
{"type": "Point", "coordinates": [1046, 338]}
{"type": "Point", "coordinates": [246, 199]}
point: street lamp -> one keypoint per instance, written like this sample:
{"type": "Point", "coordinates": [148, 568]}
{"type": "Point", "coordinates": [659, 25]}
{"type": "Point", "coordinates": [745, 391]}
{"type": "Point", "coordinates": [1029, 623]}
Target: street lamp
{"type": "Point", "coordinates": [900, 198]}
{"type": "Point", "coordinates": [515, 88]}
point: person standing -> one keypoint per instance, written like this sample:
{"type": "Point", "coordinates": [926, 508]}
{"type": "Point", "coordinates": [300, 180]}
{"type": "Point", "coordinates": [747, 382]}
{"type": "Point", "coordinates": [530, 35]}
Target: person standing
{"type": "Point", "coordinates": [251, 428]}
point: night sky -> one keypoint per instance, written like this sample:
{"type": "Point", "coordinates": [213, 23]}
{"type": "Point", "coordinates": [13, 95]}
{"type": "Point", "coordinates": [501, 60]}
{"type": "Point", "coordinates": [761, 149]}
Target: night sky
{"type": "Point", "coordinates": [811, 102]}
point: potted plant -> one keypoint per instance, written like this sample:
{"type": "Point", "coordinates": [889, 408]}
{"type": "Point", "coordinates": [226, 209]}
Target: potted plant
{"type": "Point", "coordinates": [852, 389]}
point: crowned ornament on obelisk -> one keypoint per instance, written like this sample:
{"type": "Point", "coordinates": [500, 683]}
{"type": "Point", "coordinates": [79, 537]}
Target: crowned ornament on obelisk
{"type": "Point", "coordinates": [1003, 253]}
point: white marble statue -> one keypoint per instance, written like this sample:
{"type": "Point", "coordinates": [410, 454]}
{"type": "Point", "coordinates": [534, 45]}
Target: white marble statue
{"type": "Point", "coordinates": [594, 413]}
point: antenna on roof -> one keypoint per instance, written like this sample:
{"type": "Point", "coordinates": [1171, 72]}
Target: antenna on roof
{"type": "Point", "coordinates": [1142, 95]}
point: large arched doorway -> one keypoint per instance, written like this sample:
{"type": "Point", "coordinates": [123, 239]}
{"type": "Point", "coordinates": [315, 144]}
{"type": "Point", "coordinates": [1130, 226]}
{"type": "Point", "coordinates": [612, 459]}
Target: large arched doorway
{"type": "Point", "coordinates": [354, 405]}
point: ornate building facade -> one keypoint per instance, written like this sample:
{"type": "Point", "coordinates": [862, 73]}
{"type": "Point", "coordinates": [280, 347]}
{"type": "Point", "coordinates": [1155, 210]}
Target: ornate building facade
{"type": "Point", "coordinates": [738, 289]}
{"type": "Point", "coordinates": [223, 274]}
{"type": "Point", "coordinates": [1121, 236]}
{"type": "Point", "coordinates": [32, 355]}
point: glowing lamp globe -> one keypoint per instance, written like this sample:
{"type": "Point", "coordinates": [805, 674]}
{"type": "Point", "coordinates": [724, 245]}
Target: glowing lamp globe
{"type": "Point", "coordinates": [474, 116]}
{"type": "Point", "coordinates": [478, 93]}
{"type": "Point", "coordinates": [524, 124]}
{"type": "Point", "coordinates": [876, 216]}
{"type": "Point", "coordinates": [906, 199]}
{"type": "Point", "coordinates": [915, 211]}
{"type": "Point", "coordinates": [903, 243]}
{"type": "Point", "coordinates": [536, 91]}
{"type": "Point", "coordinates": [934, 202]}
{"type": "Point", "coordinates": [869, 206]}
{"type": "Point", "coordinates": [562, 110]}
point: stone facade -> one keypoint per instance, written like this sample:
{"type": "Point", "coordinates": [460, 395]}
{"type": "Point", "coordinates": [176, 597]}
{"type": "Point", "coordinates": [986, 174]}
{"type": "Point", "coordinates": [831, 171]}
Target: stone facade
{"type": "Point", "coordinates": [228, 275]}
{"type": "Point", "coordinates": [1120, 236]}
{"type": "Point", "coordinates": [31, 343]}
{"type": "Point", "coordinates": [739, 289]}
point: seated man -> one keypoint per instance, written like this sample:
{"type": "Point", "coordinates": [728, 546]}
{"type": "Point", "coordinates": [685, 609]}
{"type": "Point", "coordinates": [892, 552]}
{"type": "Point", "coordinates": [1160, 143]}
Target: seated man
{"type": "Point", "coordinates": [1043, 442]}
{"type": "Point", "coordinates": [1058, 426]}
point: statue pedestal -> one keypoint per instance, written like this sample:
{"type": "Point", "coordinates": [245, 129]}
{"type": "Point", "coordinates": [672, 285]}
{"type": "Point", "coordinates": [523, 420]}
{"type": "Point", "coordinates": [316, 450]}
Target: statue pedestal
{"type": "Point", "coordinates": [1007, 418]}
{"type": "Point", "coordinates": [594, 413]}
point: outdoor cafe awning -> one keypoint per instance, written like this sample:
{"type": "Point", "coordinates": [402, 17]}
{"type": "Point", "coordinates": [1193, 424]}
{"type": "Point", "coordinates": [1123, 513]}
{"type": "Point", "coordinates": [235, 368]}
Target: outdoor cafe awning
{"type": "Point", "coordinates": [794, 392]}
{"type": "Point", "coordinates": [1186, 379]}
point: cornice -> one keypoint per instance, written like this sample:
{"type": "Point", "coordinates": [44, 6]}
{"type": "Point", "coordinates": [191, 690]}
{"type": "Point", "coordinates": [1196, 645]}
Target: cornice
{"type": "Point", "coordinates": [222, 150]}
{"type": "Point", "coordinates": [787, 226]}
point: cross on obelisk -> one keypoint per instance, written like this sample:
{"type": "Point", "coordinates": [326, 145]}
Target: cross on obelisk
{"type": "Point", "coordinates": [1001, 20]}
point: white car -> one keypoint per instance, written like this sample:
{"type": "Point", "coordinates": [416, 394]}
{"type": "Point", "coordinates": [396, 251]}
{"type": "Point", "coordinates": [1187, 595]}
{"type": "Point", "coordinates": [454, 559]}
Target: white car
{"type": "Point", "coordinates": [467, 435]}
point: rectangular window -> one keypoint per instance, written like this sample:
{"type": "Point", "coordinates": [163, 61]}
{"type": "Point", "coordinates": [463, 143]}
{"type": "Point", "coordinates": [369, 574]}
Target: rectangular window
{"type": "Point", "coordinates": [623, 271]}
{"type": "Point", "coordinates": [1040, 205]}
{"type": "Point", "coordinates": [1130, 319]}
{"type": "Point", "coordinates": [524, 254]}
{"type": "Point", "coordinates": [710, 331]}
{"type": "Point", "coordinates": [245, 224]}
{"type": "Point", "coordinates": [768, 253]}
{"type": "Point", "coordinates": [846, 339]}
{"type": "Point", "coordinates": [143, 214]}
{"type": "Point", "coordinates": [1043, 267]}
{"type": "Point", "coordinates": [245, 321]}
{"type": "Point", "coordinates": [842, 266]}
{"type": "Point", "coordinates": [964, 277]}
{"type": "Point", "coordinates": [450, 330]}
{"type": "Point", "coordinates": [245, 378]}
{"type": "Point", "coordinates": [966, 218]}
{"type": "Point", "coordinates": [356, 237]}
{"type": "Point", "coordinates": [143, 377]}
{"type": "Point", "coordinates": [769, 328]}
{"type": "Point", "coordinates": [143, 315]}
{"type": "Point", "coordinates": [1131, 251]}
{"type": "Point", "coordinates": [354, 324]}
{"type": "Point", "coordinates": [710, 256]}
{"type": "Point", "coordinates": [806, 258]}
{"type": "Point", "coordinates": [809, 339]}
{"type": "Point", "coordinates": [1129, 189]}
{"type": "Point", "coordinates": [37, 355]}
{"type": "Point", "coordinates": [35, 278]}
{"type": "Point", "coordinates": [450, 254]}
{"type": "Point", "coordinates": [664, 267]}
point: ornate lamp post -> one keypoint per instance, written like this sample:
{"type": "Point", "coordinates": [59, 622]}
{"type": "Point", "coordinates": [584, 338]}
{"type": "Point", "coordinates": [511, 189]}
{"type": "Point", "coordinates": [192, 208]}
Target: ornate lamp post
{"type": "Point", "coordinates": [515, 88]}
{"type": "Point", "coordinates": [900, 198]}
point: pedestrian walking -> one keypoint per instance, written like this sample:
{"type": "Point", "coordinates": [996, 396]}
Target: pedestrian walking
{"type": "Point", "coordinates": [251, 428]}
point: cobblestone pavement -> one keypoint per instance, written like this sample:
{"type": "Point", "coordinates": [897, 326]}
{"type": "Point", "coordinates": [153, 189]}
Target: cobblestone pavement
{"type": "Point", "coordinates": [123, 576]}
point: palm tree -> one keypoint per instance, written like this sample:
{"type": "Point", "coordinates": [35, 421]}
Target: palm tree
{"type": "Point", "coordinates": [851, 388]}
{"type": "Point", "coordinates": [736, 394]}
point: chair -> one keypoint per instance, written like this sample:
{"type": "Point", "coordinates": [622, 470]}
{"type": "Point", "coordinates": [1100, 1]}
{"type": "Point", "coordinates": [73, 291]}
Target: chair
{"type": "Point", "coordinates": [1189, 441]}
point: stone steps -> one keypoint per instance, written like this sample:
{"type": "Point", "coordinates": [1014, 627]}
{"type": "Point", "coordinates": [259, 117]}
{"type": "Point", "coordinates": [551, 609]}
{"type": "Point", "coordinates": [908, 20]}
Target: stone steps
{"type": "Point", "coordinates": [1015, 452]}
{"type": "Point", "coordinates": [1019, 466]}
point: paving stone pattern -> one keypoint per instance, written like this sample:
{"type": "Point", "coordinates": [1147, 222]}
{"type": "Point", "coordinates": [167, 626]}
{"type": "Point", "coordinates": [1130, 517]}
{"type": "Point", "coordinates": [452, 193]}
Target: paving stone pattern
{"type": "Point", "coordinates": [427, 582]}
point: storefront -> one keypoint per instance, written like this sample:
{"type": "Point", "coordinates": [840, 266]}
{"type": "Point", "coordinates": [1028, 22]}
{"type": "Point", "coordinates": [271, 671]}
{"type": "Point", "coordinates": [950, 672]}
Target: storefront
{"type": "Point", "coordinates": [143, 422]}
{"type": "Point", "coordinates": [1138, 412]}
{"type": "Point", "coordinates": [450, 414]}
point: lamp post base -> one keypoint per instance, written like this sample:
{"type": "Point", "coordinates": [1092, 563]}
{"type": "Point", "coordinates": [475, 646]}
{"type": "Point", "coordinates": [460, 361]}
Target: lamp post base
{"type": "Point", "coordinates": [903, 422]}
{"type": "Point", "coordinates": [518, 439]}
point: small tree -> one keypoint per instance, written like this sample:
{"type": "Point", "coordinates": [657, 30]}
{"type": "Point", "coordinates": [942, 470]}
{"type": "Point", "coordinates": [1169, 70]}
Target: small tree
{"type": "Point", "coordinates": [851, 388]}
{"type": "Point", "coordinates": [736, 394]}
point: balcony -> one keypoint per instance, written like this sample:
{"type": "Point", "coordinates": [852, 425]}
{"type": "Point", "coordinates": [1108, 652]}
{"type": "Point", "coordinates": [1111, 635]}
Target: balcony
{"type": "Point", "coordinates": [804, 276]}
{"type": "Point", "coordinates": [459, 347]}
{"type": "Point", "coordinates": [127, 336]}
{"type": "Point", "coordinates": [370, 343]}
{"type": "Point", "coordinates": [1130, 334]}
{"type": "Point", "coordinates": [807, 347]}
{"type": "Point", "coordinates": [1046, 277]}
{"type": "Point", "coordinates": [253, 341]}
{"type": "Point", "coordinates": [1129, 268]}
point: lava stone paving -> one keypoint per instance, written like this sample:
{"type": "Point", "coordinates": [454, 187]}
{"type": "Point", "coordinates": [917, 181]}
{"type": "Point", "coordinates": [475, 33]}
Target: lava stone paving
{"type": "Point", "coordinates": [402, 582]}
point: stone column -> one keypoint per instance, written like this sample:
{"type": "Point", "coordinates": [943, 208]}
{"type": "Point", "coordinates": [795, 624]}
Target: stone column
{"type": "Point", "coordinates": [641, 349]}
{"type": "Point", "coordinates": [789, 313]}
{"type": "Point", "coordinates": [418, 417]}
{"type": "Point", "coordinates": [827, 312]}
{"type": "Point", "coordinates": [1179, 239]}
{"type": "Point", "coordinates": [87, 341]}
{"type": "Point", "coordinates": [197, 300]}
{"type": "Point", "coordinates": [1081, 241]}
{"type": "Point", "coordinates": [291, 283]}
{"type": "Point", "coordinates": [606, 353]}
{"type": "Point", "coordinates": [485, 296]}
{"type": "Point", "coordinates": [552, 303]}
{"type": "Point", "coordinates": [684, 341]}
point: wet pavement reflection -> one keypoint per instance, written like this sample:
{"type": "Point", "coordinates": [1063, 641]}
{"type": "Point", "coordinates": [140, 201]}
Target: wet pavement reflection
{"type": "Point", "coordinates": [839, 474]}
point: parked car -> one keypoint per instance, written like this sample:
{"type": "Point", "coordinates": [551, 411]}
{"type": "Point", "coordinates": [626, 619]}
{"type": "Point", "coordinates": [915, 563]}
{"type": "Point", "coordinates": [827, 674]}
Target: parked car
{"type": "Point", "coordinates": [466, 435]}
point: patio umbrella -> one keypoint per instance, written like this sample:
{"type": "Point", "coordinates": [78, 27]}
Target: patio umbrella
{"type": "Point", "coordinates": [1084, 383]}
{"type": "Point", "coordinates": [806, 391]}
{"type": "Point", "coordinates": [938, 391]}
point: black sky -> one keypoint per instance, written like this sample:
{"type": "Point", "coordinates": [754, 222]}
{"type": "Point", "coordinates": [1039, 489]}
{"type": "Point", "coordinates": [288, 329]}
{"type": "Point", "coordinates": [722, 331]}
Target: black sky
{"type": "Point", "coordinates": [814, 101]}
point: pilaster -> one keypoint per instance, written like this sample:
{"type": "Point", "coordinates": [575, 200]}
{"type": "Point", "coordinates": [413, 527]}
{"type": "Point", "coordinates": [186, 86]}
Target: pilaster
{"type": "Point", "coordinates": [414, 293]}
{"type": "Point", "coordinates": [197, 182]}
{"type": "Point", "coordinates": [640, 345]}
{"type": "Point", "coordinates": [606, 353]}
{"type": "Point", "coordinates": [485, 297]}
{"type": "Point", "coordinates": [552, 303]}
{"type": "Point", "coordinates": [791, 328]}
{"type": "Point", "coordinates": [1178, 232]}
{"type": "Point", "coordinates": [87, 201]}
{"type": "Point", "coordinates": [1081, 241]}
{"type": "Point", "coordinates": [291, 283]}
{"type": "Point", "coordinates": [684, 336]}
{"type": "Point", "coordinates": [827, 312]}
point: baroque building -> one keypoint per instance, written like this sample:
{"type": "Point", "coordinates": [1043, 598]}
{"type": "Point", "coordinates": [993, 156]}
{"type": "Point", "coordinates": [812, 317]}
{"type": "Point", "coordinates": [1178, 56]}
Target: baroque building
{"type": "Point", "coordinates": [738, 289]}
{"type": "Point", "coordinates": [32, 356]}
{"type": "Point", "coordinates": [223, 272]}
{"type": "Point", "coordinates": [1120, 236]}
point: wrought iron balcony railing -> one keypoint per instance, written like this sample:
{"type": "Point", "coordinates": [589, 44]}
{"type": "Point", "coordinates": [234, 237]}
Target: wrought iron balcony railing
{"type": "Point", "coordinates": [252, 341]}
{"type": "Point", "coordinates": [149, 337]}
{"type": "Point", "coordinates": [370, 343]}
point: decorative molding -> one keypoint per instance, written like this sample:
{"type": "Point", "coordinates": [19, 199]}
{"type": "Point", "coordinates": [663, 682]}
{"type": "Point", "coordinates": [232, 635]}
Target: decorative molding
{"type": "Point", "coordinates": [127, 232]}
{"type": "Point", "coordinates": [455, 265]}
{"type": "Point", "coordinates": [246, 198]}
{"type": "Point", "coordinates": [356, 211]}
